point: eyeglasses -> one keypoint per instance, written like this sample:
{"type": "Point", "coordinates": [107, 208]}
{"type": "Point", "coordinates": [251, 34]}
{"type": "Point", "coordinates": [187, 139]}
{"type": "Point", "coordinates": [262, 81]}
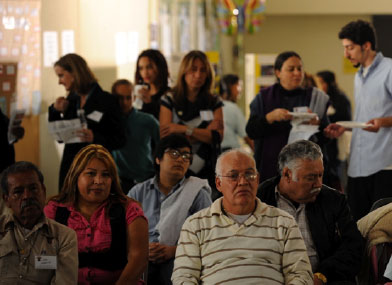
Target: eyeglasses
{"type": "Point", "coordinates": [175, 154]}
{"type": "Point", "coordinates": [235, 177]}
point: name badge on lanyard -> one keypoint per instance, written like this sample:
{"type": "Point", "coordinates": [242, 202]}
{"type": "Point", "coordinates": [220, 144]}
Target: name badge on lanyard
{"type": "Point", "coordinates": [206, 115]}
{"type": "Point", "coordinates": [45, 262]}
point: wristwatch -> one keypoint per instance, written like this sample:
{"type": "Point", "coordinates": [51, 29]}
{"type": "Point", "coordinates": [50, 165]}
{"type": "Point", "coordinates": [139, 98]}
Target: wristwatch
{"type": "Point", "coordinates": [189, 131]}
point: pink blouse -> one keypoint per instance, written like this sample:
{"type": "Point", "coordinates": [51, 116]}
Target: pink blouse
{"type": "Point", "coordinates": [94, 235]}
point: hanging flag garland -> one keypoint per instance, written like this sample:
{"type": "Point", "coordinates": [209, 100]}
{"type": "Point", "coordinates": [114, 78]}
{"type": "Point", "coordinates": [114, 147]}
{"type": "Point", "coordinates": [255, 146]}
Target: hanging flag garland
{"type": "Point", "coordinates": [239, 16]}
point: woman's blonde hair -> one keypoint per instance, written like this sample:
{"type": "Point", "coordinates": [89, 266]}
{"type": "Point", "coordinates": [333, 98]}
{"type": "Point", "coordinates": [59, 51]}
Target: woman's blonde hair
{"type": "Point", "coordinates": [180, 89]}
{"type": "Point", "coordinates": [69, 193]}
{"type": "Point", "coordinates": [82, 74]}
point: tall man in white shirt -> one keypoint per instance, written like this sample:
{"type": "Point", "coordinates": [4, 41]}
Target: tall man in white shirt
{"type": "Point", "coordinates": [370, 164]}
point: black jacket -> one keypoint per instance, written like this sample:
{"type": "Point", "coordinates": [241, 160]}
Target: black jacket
{"type": "Point", "coordinates": [336, 237]}
{"type": "Point", "coordinates": [109, 131]}
{"type": "Point", "coordinates": [7, 152]}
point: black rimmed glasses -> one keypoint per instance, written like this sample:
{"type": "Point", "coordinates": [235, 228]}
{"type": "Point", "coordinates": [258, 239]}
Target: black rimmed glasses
{"type": "Point", "coordinates": [175, 154]}
{"type": "Point", "coordinates": [249, 176]}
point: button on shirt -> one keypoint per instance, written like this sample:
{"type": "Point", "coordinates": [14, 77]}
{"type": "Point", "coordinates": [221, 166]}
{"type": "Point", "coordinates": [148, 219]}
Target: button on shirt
{"type": "Point", "coordinates": [151, 198]}
{"type": "Point", "coordinates": [299, 215]}
{"type": "Point", "coordinates": [372, 152]}
{"type": "Point", "coordinates": [19, 247]}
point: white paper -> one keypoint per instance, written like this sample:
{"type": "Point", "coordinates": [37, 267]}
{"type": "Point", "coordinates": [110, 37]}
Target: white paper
{"type": "Point", "coordinates": [10, 69]}
{"type": "Point", "coordinates": [301, 131]}
{"type": "Point", "coordinates": [133, 46]}
{"type": "Point", "coordinates": [121, 48]}
{"type": "Point", "coordinates": [51, 54]}
{"type": "Point", "coordinates": [46, 262]}
{"type": "Point", "coordinates": [6, 86]}
{"type": "Point", "coordinates": [207, 115]}
{"type": "Point", "coordinates": [388, 270]}
{"type": "Point", "coordinates": [95, 116]}
{"type": "Point", "coordinates": [15, 122]}
{"type": "Point", "coordinates": [67, 42]}
{"type": "Point", "coordinates": [65, 130]}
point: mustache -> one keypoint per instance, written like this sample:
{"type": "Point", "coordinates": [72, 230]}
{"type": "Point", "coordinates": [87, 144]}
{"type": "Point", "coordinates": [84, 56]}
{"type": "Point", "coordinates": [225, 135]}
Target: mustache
{"type": "Point", "coordinates": [315, 190]}
{"type": "Point", "coordinates": [29, 202]}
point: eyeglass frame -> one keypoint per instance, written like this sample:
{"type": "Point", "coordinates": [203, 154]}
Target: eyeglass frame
{"type": "Point", "coordinates": [180, 154]}
{"type": "Point", "coordinates": [239, 175]}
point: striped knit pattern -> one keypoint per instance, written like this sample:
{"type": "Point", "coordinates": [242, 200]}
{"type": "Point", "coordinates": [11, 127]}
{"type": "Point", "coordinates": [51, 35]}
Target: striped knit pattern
{"type": "Point", "coordinates": [266, 249]}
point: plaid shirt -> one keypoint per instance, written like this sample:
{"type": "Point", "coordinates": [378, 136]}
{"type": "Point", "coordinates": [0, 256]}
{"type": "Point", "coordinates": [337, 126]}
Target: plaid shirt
{"type": "Point", "coordinates": [299, 215]}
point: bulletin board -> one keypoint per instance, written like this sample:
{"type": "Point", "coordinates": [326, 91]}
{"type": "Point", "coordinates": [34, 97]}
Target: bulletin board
{"type": "Point", "coordinates": [8, 75]}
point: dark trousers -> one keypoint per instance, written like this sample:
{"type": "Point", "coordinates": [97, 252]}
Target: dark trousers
{"type": "Point", "coordinates": [160, 273]}
{"type": "Point", "coordinates": [362, 192]}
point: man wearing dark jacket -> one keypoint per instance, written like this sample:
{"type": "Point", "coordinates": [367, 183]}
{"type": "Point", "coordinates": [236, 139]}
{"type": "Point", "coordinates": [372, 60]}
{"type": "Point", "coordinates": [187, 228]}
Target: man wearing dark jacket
{"type": "Point", "coordinates": [331, 236]}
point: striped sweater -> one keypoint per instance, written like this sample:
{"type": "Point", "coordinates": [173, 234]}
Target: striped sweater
{"type": "Point", "coordinates": [266, 249]}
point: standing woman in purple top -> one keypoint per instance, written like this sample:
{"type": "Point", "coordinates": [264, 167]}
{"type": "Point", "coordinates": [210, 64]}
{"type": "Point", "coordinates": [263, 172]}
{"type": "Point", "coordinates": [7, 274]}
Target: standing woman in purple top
{"type": "Point", "coordinates": [152, 70]}
{"type": "Point", "coordinates": [270, 119]}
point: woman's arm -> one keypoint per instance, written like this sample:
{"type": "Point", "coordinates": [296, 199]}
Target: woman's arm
{"type": "Point", "coordinates": [137, 244]}
{"type": "Point", "coordinates": [202, 135]}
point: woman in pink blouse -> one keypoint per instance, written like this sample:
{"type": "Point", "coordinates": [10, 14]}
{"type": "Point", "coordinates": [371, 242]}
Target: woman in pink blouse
{"type": "Point", "coordinates": [111, 228]}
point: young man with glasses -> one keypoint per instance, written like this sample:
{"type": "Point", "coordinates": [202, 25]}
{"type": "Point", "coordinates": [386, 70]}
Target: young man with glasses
{"type": "Point", "coordinates": [135, 159]}
{"type": "Point", "coordinates": [168, 199]}
{"type": "Point", "coordinates": [334, 244]}
{"type": "Point", "coordinates": [239, 239]}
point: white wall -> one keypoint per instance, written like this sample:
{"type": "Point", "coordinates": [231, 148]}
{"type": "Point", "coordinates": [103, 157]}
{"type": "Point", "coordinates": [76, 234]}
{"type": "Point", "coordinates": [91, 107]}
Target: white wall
{"type": "Point", "coordinates": [331, 7]}
{"type": "Point", "coordinates": [95, 23]}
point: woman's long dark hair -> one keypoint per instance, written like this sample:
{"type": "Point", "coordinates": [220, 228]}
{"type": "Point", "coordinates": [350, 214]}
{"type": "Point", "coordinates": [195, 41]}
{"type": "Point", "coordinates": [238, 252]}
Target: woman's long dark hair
{"type": "Point", "coordinates": [162, 79]}
{"type": "Point", "coordinates": [180, 90]}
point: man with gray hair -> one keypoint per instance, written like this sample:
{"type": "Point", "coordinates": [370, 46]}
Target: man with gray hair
{"type": "Point", "coordinates": [33, 248]}
{"type": "Point", "coordinates": [239, 239]}
{"type": "Point", "coordinates": [332, 239]}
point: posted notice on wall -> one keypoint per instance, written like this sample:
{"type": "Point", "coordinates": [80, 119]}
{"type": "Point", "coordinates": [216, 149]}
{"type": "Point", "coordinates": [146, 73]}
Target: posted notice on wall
{"type": "Point", "coordinates": [67, 42]}
{"type": "Point", "coordinates": [51, 49]}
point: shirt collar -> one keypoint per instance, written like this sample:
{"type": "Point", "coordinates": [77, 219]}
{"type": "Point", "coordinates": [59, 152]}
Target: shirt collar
{"type": "Point", "coordinates": [279, 196]}
{"type": "Point", "coordinates": [155, 185]}
{"type": "Point", "coordinates": [217, 208]}
{"type": "Point", "coordinates": [11, 222]}
{"type": "Point", "coordinates": [376, 61]}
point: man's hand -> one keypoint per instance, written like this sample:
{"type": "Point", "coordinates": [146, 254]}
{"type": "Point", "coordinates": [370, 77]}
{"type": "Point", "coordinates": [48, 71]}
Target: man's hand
{"type": "Point", "coordinates": [61, 104]}
{"type": "Point", "coordinates": [334, 131]}
{"type": "Point", "coordinates": [376, 125]}
{"type": "Point", "coordinates": [160, 253]}
{"type": "Point", "coordinates": [278, 115]}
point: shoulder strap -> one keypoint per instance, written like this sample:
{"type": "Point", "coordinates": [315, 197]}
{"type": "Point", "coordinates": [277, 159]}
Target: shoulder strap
{"type": "Point", "coordinates": [62, 215]}
{"type": "Point", "coordinates": [116, 257]}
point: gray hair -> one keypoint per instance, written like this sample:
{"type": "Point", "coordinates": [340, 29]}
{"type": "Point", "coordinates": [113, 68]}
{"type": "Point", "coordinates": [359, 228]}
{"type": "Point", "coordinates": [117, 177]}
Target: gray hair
{"type": "Point", "coordinates": [292, 154]}
{"type": "Point", "coordinates": [218, 166]}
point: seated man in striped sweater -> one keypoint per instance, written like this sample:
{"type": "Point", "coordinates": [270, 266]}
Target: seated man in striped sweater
{"type": "Point", "coordinates": [239, 239]}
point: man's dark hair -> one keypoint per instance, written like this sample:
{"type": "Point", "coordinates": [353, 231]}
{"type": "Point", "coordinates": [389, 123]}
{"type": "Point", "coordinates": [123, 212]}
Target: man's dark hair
{"type": "Point", "coordinates": [18, 167]}
{"type": "Point", "coordinates": [173, 141]}
{"type": "Point", "coordinates": [120, 82]}
{"type": "Point", "coordinates": [226, 82]}
{"type": "Point", "coordinates": [359, 32]}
